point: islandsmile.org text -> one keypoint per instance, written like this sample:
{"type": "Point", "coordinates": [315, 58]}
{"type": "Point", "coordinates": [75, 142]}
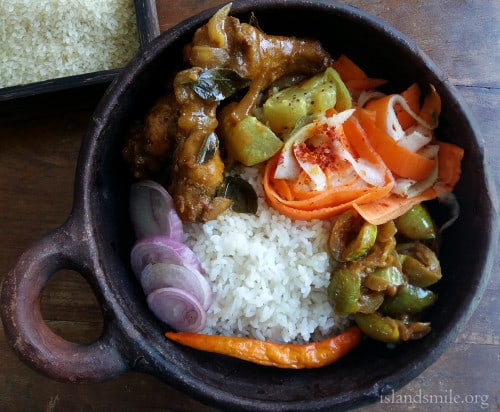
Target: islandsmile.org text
{"type": "Point", "coordinates": [445, 397]}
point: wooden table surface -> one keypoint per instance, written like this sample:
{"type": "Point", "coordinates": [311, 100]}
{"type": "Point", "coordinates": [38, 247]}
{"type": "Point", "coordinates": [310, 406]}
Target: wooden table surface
{"type": "Point", "coordinates": [37, 162]}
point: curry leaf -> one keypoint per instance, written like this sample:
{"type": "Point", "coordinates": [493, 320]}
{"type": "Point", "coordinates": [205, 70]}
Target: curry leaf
{"type": "Point", "coordinates": [208, 148]}
{"type": "Point", "coordinates": [218, 84]}
{"type": "Point", "coordinates": [241, 193]}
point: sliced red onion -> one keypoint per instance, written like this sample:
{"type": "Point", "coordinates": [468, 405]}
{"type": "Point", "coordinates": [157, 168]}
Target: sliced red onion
{"type": "Point", "coordinates": [410, 188]}
{"type": "Point", "coordinates": [367, 95]}
{"type": "Point", "coordinates": [312, 168]}
{"type": "Point", "coordinates": [369, 172]}
{"type": "Point", "coordinates": [177, 308]}
{"type": "Point", "coordinates": [393, 127]}
{"type": "Point", "coordinates": [288, 167]}
{"type": "Point", "coordinates": [168, 275]}
{"type": "Point", "coordinates": [152, 211]}
{"type": "Point", "coordinates": [416, 138]}
{"type": "Point", "coordinates": [162, 249]}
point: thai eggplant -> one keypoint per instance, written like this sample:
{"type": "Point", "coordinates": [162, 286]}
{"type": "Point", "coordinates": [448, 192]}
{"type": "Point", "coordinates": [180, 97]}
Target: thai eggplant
{"type": "Point", "coordinates": [381, 276]}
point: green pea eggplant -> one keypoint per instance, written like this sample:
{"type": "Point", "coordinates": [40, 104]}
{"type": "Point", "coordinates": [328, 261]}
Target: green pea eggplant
{"type": "Point", "coordinates": [384, 279]}
{"type": "Point", "coordinates": [409, 300]}
{"type": "Point", "coordinates": [344, 291]}
{"type": "Point", "coordinates": [420, 264]}
{"type": "Point", "coordinates": [369, 302]}
{"type": "Point", "coordinates": [351, 237]}
{"type": "Point", "coordinates": [387, 329]}
{"type": "Point", "coordinates": [416, 224]}
{"type": "Point", "coordinates": [360, 245]}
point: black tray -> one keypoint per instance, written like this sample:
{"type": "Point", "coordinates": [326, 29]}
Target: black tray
{"type": "Point", "coordinates": [80, 91]}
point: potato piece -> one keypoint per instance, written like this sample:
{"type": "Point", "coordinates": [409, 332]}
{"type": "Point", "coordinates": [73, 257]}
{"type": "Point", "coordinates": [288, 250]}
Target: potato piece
{"type": "Point", "coordinates": [251, 142]}
{"type": "Point", "coordinates": [282, 110]}
{"type": "Point", "coordinates": [309, 98]}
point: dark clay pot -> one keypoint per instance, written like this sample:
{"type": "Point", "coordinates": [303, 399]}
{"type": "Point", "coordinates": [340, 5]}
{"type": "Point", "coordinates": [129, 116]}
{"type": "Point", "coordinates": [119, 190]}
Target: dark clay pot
{"type": "Point", "coordinates": [96, 239]}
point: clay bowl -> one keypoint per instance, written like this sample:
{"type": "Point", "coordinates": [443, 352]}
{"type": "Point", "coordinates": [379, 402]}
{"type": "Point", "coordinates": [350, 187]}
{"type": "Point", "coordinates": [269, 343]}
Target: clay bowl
{"type": "Point", "coordinates": [96, 239]}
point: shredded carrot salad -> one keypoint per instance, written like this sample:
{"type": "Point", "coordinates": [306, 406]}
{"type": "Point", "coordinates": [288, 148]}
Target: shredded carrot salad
{"type": "Point", "coordinates": [380, 157]}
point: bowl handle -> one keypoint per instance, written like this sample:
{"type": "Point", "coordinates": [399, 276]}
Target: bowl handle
{"type": "Point", "coordinates": [30, 337]}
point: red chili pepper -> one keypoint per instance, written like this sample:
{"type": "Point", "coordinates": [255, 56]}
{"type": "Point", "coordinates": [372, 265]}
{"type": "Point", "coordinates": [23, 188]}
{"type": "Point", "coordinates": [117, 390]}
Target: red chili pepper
{"type": "Point", "coordinates": [289, 356]}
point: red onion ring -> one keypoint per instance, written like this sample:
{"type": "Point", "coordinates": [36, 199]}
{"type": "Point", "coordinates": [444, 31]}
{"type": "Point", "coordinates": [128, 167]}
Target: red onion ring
{"type": "Point", "coordinates": [152, 211]}
{"type": "Point", "coordinates": [169, 275]}
{"type": "Point", "coordinates": [178, 308]}
{"type": "Point", "coordinates": [162, 249]}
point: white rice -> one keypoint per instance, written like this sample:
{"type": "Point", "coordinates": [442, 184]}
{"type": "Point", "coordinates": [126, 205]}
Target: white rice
{"type": "Point", "coordinates": [49, 39]}
{"type": "Point", "coordinates": [269, 274]}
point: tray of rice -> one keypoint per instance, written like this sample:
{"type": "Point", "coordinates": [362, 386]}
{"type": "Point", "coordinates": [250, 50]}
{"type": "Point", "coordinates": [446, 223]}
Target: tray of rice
{"type": "Point", "coordinates": [53, 46]}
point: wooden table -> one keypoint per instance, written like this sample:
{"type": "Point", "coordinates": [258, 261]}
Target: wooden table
{"type": "Point", "coordinates": [37, 162]}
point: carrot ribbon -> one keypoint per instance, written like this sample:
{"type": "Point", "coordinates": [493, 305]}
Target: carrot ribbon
{"type": "Point", "coordinates": [353, 76]}
{"type": "Point", "coordinates": [288, 197]}
{"type": "Point", "coordinates": [366, 135]}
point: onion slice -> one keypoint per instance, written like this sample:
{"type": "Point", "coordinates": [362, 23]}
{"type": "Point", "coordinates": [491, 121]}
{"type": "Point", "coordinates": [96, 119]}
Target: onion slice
{"type": "Point", "coordinates": [177, 308]}
{"type": "Point", "coordinates": [289, 166]}
{"type": "Point", "coordinates": [152, 211]}
{"type": "Point", "coordinates": [415, 138]}
{"type": "Point", "coordinates": [162, 249]}
{"type": "Point", "coordinates": [169, 275]}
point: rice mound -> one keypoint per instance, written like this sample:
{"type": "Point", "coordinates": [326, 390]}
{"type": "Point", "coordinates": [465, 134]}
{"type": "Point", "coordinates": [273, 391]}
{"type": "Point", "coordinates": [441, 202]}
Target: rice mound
{"type": "Point", "coordinates": [50, 39]}
{"type": "Point", "coordinates": [268, 274]}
